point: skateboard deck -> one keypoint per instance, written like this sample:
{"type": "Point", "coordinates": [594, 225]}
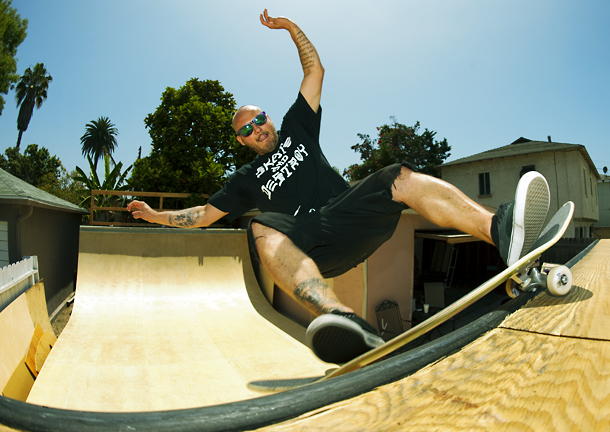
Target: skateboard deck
{"type": "Point", "coordinates": [523, 272]}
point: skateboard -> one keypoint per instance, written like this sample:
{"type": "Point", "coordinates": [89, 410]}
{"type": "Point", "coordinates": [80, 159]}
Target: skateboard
{"type": "Point", "coordinates": [524, 274]}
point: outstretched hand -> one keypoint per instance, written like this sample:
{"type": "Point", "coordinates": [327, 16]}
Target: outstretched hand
{"type": "Point", "coordinates": [139, 210]}
{"type": "Point", "coordinates": [274, 23]}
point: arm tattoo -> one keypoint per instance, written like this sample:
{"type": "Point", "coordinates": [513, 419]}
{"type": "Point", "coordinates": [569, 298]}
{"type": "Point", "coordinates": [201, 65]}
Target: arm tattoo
{"type": "Point", "coordinates": [316, 296]}
{"type": "Point", "coordinates": [305, 51]}
{"type": "Point", "coordinates": [184, 219]}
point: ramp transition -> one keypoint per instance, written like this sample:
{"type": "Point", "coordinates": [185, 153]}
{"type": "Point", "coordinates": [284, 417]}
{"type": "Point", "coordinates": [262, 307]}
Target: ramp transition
{"type": "Point", "coordinates": [167, 319]}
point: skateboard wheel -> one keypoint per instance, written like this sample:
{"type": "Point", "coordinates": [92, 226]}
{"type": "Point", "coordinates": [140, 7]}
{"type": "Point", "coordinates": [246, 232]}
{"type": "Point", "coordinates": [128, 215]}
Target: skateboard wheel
{"type": "Point", "coordinates": [512, 288]}
{"type": "Point", "coordinates": [559, 280]}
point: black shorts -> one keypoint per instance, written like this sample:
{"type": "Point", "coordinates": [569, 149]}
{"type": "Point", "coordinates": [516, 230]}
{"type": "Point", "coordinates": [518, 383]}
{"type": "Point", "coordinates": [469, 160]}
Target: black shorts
{"type": "Point", "coordinates": [346, 231]}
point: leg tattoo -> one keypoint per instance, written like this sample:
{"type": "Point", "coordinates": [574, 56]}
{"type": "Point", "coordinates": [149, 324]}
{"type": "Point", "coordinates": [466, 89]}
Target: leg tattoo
{"type": "Point", "coordinates": [317, 296]}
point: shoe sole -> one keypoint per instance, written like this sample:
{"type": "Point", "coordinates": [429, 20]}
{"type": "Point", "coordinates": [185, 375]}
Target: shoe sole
{"type": "Point", "coordinates": [336, 339]}
{"type": "Point", "coordinates": [532, 201]}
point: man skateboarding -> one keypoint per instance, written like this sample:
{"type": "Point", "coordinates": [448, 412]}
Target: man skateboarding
{"type": "Point", "coordinates": [313, 225]}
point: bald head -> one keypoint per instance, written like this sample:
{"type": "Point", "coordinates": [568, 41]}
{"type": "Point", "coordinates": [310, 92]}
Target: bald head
{"type": "Point", "coordinates": [242, 114]}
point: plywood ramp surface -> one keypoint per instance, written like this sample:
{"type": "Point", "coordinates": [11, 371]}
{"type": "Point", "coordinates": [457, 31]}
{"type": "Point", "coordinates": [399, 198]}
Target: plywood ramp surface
{"type": "Point", "coordinates": [547, 368]}
{"type": "Point", "coordinates": [166, 319]}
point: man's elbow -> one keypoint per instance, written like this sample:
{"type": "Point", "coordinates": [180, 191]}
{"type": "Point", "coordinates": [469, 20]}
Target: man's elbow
{"type": "Point", "coordinates": [319, 71]}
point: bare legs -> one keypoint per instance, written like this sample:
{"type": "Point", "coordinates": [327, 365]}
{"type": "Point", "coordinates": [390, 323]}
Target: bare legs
{"type": "Point", "coordinates": [294, 272]}
{"type": "Point", "coordinates": [436, 200]}
{"type": "Point", "coordinates": [442, 204]}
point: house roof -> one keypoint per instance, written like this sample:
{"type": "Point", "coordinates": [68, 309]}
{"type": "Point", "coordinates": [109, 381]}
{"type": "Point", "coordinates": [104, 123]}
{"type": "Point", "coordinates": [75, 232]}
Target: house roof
{"type": "Point", "coordinates": [523, 146]}
{"type": "Point", "coordinates": [13, 190]}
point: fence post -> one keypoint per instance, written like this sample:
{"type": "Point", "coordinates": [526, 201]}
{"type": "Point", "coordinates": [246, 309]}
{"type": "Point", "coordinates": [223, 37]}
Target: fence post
{"type": "Point", "coordinates": [91, 209]}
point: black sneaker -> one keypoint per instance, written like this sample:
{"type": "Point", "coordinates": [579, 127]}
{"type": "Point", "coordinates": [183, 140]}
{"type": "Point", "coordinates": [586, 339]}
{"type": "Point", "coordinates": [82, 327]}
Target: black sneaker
{"type": "Point", "coordinates": [339, 337]}
{"type": "Point", "coordinates": [517, 225]}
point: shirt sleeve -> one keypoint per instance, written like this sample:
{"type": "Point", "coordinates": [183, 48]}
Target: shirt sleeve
{"type": "Point", "coordinates": [232, 199]}
{"type": "Point", "coordinates": [300, 113]}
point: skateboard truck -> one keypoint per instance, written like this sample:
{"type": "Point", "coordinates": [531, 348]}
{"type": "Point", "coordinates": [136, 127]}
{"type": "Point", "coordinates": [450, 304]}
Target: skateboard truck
{"type": "Point", "coordinates": [558, 280]}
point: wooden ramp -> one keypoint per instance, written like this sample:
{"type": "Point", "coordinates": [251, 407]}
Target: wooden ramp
{"type": "Point", "coordinates": [546, 368]}
{"type": "Point", "coordinates": [166, 319]}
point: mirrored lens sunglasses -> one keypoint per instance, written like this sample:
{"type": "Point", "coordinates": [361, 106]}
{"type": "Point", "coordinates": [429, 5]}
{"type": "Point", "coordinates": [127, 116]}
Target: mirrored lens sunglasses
{"type": "Point", "coordinates": [247, 130]}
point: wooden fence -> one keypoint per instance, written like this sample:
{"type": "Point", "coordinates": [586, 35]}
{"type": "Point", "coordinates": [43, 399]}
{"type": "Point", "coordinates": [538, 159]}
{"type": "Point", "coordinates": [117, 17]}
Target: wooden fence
{"type": "Point", "coordinates": [159, 195]}
{"type": "Point", "coordinates": [16, 278]}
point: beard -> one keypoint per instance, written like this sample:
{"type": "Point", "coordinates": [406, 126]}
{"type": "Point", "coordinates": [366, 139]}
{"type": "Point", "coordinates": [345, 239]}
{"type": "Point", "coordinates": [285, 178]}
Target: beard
{"type": "Point", "coordinates": [270, 144]}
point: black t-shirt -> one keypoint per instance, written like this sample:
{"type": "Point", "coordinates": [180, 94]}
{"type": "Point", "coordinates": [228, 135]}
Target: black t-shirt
{"type": "Point", "coordinates": [294, 179]}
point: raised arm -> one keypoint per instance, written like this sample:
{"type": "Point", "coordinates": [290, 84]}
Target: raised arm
{"type": "Point", "coordinates": [194, 217]}
{"type": "Point", "coordinates": [311, 87]}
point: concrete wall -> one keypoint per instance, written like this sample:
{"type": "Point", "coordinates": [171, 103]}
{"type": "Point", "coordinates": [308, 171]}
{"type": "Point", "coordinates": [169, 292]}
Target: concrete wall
{"type": "Point", "coordinates": [52, 236]}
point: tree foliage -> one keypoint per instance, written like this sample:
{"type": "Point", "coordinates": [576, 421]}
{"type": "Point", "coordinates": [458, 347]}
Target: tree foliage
{"type": "Point", "coordinates": [193, 143]}
{"type": "Point", "coordinates": [64, 186]}
{"type": "Point", "coordinates": [31, 92]}
{"type": "Point", "coordinates": [34, 166]}
{"type": "Point", "coordinates": [37, 167]}
{"type": "Point", "coordinates": [99, 139]}
{"type": "Point", "coordinates": [13, 31]}
{"type": "Point", "coordinates": [395, 143]}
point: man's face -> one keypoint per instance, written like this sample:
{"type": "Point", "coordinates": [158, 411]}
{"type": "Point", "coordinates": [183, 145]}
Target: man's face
{"type": "Point", "coordinates": [264, 138]}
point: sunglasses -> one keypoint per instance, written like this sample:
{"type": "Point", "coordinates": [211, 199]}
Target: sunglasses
{"type": "Point", "coordinates": [259, 120]}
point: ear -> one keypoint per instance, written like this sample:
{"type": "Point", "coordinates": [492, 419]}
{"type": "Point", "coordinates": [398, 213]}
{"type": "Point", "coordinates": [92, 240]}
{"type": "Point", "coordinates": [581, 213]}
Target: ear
{"type": "Point", "coordinates": [240, 140]}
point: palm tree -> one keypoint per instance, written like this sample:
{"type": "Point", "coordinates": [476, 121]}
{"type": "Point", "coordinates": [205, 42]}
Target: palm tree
{"type": "Point", "coordinates": [30, 91]}
{"type": "Point", "coordinates": [99, 139]}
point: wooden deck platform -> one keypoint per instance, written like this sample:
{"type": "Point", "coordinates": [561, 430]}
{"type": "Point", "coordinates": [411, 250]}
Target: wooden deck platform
{"type": "Point", "coordinates": [546, 368]}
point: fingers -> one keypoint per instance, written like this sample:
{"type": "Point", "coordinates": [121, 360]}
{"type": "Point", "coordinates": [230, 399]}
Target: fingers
{"type": "Point", "coordinates": [265, 19]}
{"type": "Point", "coordinates": [135, 207]}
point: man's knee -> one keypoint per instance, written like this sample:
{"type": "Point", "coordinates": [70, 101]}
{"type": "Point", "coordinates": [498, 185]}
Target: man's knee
{"type": "Point", "coordinates": [262, 231]}
{"type": "Point", "coordinates": [255, 229]}
{"type": "Point", "coordinates": [265, 237]}
{"type": "Point", "coordinates": [402, 183]}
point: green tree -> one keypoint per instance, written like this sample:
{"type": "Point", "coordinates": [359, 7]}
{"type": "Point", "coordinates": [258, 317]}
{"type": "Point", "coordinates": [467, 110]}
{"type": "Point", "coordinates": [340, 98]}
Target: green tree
{"type": "Point", "coordinates": [13, 31]}
{"type": "Point", "coordinates": [36, 166]}
{"type": "Point", "coordinates": [64, 187]}
{"type": "Point", "coordinates": [99, 139]}
{"type": "Point", "coordinates": [193, 143]}
{"type": "Point", "coordinates": [31, 91]}
{"type": "Point", "coordinates": [395, 143]}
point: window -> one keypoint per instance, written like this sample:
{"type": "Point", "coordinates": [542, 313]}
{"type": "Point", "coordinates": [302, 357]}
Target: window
{"type": "Point", "coordinates": [484, 186]}
{"type": "Point", "coordinates": [527, 169]}
{"type": "Point", "coordinates": [584, 175]}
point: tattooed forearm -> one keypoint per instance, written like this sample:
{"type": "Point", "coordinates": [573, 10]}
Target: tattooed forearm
{"type": "Point", "coordinates": [306, 51]}
{"type": "Point", "coordinates": [184, 219]}
{"type": "Point", "coordinates": [317, 296]}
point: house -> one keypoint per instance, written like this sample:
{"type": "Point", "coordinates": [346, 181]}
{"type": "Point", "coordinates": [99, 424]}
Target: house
{"type": "Point", "coordinates": [490, 178]}
{"type": "Point", "coordinates": [602, 227]}
{"type": "Point", "coordinates": [36, 223]}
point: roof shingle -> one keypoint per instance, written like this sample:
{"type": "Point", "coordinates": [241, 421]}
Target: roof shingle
{"type": "Point", "coordinates": [15, 190]}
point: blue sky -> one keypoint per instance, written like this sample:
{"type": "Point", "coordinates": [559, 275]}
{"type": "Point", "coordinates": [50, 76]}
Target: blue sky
{"type": "Point", "coordinates": [480, 73]}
